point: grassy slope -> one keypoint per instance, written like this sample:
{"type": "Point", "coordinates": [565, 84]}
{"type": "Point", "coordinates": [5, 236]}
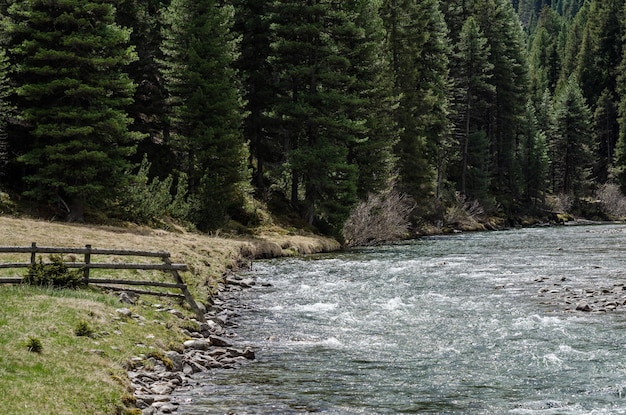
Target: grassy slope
{"type": "Point", "coordinates": [80, 375]}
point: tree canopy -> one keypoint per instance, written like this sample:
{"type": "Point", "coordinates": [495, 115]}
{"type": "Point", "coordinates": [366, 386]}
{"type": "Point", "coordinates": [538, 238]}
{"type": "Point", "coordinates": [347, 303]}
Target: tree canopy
{"type": "Point", "coordinates": [311, 106]}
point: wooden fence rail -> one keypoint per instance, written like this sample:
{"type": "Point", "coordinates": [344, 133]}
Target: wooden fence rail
{"type": "Point", "coordinates": [87, 252]}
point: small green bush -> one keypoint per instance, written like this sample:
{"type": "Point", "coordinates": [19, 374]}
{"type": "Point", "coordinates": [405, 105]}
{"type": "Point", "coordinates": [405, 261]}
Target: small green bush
{"type": "Point", "coordinates": [34, 345]}
{"type": "Point", "coordinates": [55, 274]}
{"type": "Point", "coordinates": [148, 199]}
{"type": "Point", "coordinates": [83, 329]}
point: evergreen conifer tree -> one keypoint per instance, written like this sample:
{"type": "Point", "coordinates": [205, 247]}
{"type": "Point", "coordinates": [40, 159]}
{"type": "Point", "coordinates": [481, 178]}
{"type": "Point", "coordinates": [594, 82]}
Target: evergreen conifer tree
{"type": "Point", "coordinates": [373, 83]}
{"type": "Point", "coordinates": [317, 105]}
{"type": "Point", "coordinates": [503, 32]}
{"type": "Point", "coordinates": [533, 159]}
{"type": "Point", "coordinates": [5, 113]}
{"type": "Point", "coordinates": [597, 70]}
{"type": "Point", "coordinates": [252, 24]}
{"type": "Point", "coordinates": [199, 54]}
{"type": "Point", "coordinates": [472, 102]}
{"type": "Point", "coordinates": [68, 65]}
{"type": "Point", "coordinates": [419, 58]}
{"type": "Point", "coordinates": [573, 42]}
{"type": "Point", "coordinates": [606, 133]}
{"type": "Point", "coordinates": [544, 59]}
{"type": "Point", "coordinates": [148, 110]}
{"type": "Point", "coordinates": [571, 141]}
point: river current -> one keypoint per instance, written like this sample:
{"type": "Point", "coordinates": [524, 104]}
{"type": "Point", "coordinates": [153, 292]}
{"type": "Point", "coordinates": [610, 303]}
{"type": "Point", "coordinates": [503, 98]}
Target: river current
{"type": "Point", "coordinates": [441, 325]}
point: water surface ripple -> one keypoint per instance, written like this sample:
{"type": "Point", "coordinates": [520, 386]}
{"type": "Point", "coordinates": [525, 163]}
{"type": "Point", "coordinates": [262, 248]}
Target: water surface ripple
{"type": "Point", "coordinates": [442, 325]}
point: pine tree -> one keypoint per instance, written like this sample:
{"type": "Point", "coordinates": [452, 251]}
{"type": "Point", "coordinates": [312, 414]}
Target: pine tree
{"type": "Point", "coordinates": [533, 159]}
{"type": "Point", "coordinates": [510, 79]}
{"type": "Point", "coordinates": [419, 50]}
{"type": "Point", "coordinates": [148, 110]}
{"type": "Point", "coordinates": [252, 23]}
{"type": "Point", "coordinates": [456, 12]}
{"type": "Point", "coordinates": [68, 68]}
{"type": "Point", "coordinates": [598, 63]}
{"type": "Point", "coordinates": [199, 54]}
{"type": "Point", "coordinates": [575, 33]}
{"type": "Point", "coordinates": [571, 141]}
{"type": "Point", "coordinates": [600, 51]}
{"type": "Point", "coordinates": [474, 93]}
{"type": "Point", "coordinates": [618, 171]}
{"type": "Point", "coordinates": [544, 58]}
{"type": "Point", "coordinates": [607, 133]}
{"type": "Point", "coordinates": [5, 113]}
{"type": "Point", "coordinates": [315, 106]}
{"type": "Point", "coordinates": [369, 57]}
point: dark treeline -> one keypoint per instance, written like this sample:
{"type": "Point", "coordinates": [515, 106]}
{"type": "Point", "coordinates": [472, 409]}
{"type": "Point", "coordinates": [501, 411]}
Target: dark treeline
{"type": "Point", "coordinates": [186, 108]}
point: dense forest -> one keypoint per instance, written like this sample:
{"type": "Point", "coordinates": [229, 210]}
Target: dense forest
{"type": "Point", "coordinates": [191, 109]}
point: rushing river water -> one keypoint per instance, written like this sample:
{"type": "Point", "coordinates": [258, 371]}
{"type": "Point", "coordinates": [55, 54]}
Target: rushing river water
{"type": "Point", "coordinates": [441, 325]}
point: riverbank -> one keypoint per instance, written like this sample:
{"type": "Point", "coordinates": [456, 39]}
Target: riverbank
{"type": "Point", "coordinates": [78, 374]}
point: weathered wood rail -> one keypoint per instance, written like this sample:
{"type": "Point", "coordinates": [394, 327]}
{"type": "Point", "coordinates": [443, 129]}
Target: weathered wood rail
{"type": "Point", "coordinates": [86, 265]}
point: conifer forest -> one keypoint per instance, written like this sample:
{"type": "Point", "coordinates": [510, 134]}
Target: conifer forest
{"type": "Point", "coordinates": [194, 109]}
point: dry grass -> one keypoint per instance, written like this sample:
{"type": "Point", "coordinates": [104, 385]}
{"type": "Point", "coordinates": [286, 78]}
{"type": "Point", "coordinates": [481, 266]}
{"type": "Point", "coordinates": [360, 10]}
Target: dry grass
{"type": "Point", "coordinates": [208, 257]}
{"type": "Point", "coordinates": [84, 375]}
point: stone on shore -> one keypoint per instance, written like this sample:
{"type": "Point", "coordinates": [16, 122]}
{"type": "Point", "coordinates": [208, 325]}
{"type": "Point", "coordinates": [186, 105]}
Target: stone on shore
{"type": "Point", "coordinates": [197, 344]}
{"type": "Point", "coordinates": [219, 341]}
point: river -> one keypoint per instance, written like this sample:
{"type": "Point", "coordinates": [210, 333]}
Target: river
{"type": "Point", "coordinates": [454, 324]}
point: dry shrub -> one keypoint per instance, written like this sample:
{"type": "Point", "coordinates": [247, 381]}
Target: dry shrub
{"type": "Point", "coordinates": [464, 213]}
{"type": "Point", "coordinates": [612, 200]}
{"type": "Point", "coordinates": [561, 203]}
{"type": "Point", "coordinates": [383, 217]}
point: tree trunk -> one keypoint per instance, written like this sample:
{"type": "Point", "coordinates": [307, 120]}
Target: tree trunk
{"type": "Point", "coordinates": [77, 211]}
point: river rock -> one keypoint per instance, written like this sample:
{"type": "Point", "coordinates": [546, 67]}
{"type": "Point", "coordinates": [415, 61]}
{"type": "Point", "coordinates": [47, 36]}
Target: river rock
{"type": "Point", "coordinates": [145, 400]}
{"type": "Point", "coordinates": [197, 344]}
{"type": "Point", "coordinates": [192, 367]}
{"type": "Point", "coordinates": [149, 411]}
{"type": "Point", "coordinates": [162, 389]}
{"type": "Point", "coordinates": [168, 408]}
{"type": "Point", "coordinates": [177, 360]}
{"type": "Point", "coordinates": [125, 298]}
{"type": "Point", "coordinates": [219, 341]}
{"type": "Point", "coordinates": [583, 306]}
{"type": "Point", "coordinates": [247, 353]}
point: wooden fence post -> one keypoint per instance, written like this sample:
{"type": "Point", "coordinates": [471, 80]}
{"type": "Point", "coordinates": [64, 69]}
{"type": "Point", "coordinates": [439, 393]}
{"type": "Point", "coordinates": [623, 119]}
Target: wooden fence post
{"type": "Point", "coordinates": [185, 290]}
{"type": "Point", "coordinates": [87, 262]}
{"type": "Point", "coordinates": [33, 254]}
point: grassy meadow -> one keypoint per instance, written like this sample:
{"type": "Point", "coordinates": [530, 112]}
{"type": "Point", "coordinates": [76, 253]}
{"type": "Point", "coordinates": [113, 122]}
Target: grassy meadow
{"type": "Point", "coordinates": [85, 374]}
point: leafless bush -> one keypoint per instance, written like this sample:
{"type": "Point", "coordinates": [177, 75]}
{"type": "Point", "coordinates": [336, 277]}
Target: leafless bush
{"type": "Point", "coordinates": [612, 200]}
{"type": "Point", "coordinates": [464, 211]}
{"type": "Point", "coordinates": [560, 203]}
{"type": "Point", "coordinates": [383, 217]}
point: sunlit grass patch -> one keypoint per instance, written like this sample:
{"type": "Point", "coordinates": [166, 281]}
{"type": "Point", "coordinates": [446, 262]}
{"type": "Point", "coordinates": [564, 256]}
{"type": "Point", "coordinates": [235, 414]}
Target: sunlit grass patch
{"type": "Point", "coordinates": [72, 374]}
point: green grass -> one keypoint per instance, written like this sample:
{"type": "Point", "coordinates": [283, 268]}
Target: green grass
{"type": "Point", "coordinates": [67, 377]}
{"type": "Point", "coordinates": [56, 381]}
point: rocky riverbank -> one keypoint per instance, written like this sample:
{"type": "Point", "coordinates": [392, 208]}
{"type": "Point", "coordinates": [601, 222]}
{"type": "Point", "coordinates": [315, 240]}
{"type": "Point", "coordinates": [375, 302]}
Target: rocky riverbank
{"type": "Point", "coordinates": [211, 345]}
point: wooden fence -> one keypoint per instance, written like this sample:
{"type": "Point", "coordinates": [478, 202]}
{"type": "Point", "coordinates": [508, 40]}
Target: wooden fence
{"type": "Point", "coordinates": [86, 265]}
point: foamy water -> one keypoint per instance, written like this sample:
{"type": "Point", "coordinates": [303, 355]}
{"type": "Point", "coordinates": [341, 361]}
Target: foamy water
{"type": "Point", "coordinates": [445, 325]}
